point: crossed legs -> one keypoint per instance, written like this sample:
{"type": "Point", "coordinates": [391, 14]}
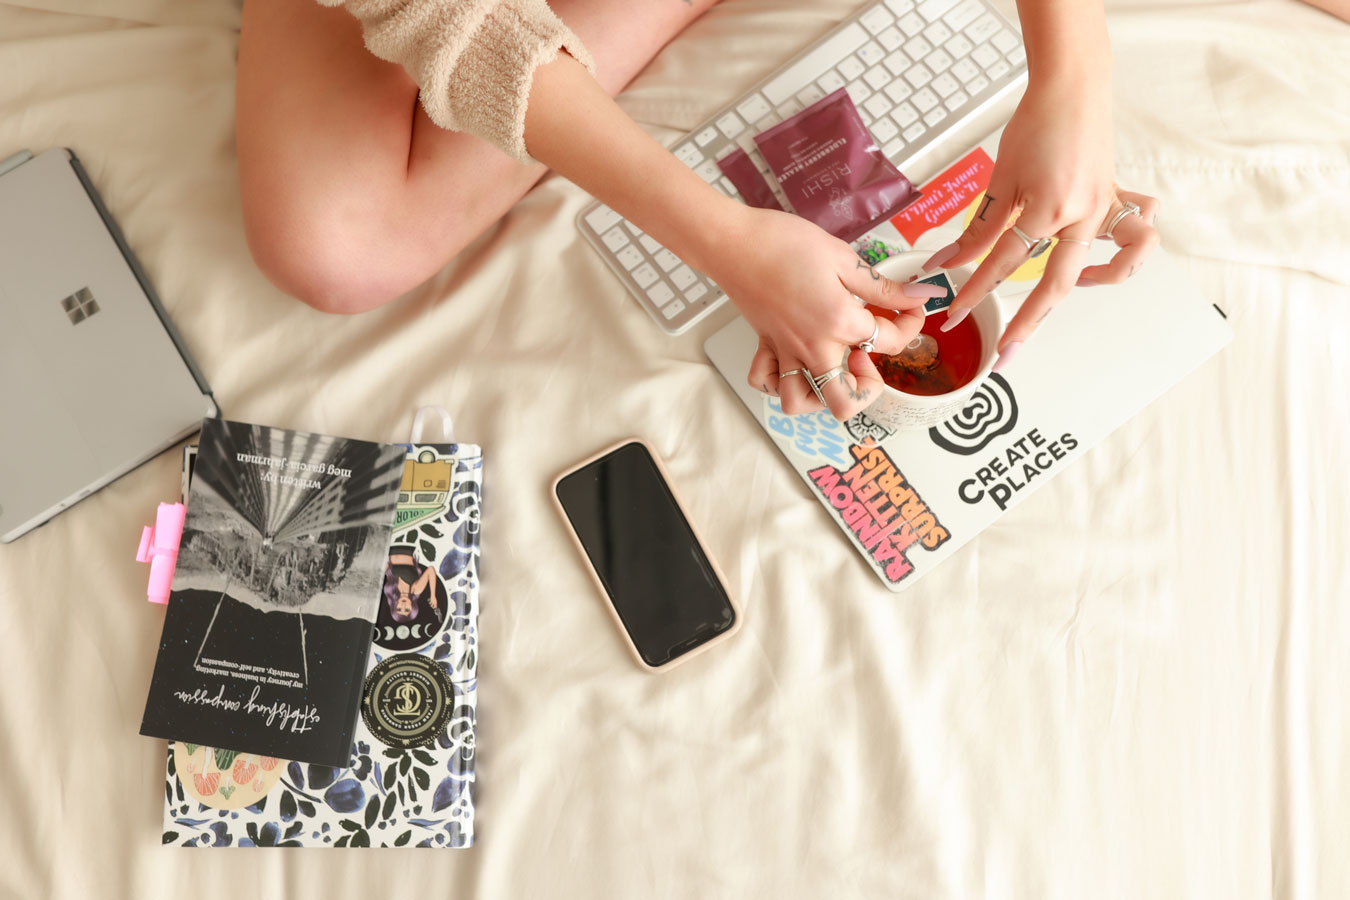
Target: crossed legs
{"type": "Point", "coordinates": [351, 195]}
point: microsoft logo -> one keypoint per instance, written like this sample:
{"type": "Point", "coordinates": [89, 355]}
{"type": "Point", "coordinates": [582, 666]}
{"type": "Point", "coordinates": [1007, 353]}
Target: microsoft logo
{"type": "Point", "coordinates": [80, 305]}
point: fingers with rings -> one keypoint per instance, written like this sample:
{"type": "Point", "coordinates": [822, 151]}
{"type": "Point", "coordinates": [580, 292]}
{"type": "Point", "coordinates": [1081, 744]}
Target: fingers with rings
{"type": "Point", "coordinates": [764, 375]}
{"type": "Point", "coordinates": [1061, 271]}
{"type": "Point", "coordinates": [848, 387]}
{"type": "Point", "coordinates": [1130, 225]}
{"type": "Point", "coordinates": [796, 388]}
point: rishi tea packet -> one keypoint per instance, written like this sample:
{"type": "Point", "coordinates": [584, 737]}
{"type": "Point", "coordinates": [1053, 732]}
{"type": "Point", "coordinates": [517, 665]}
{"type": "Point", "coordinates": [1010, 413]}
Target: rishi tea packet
{"type": "Point", "coordinates": [832, 171]}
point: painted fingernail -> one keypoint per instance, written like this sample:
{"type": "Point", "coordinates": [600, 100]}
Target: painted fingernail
{"type": "Point", "coordinates": [921, 291]}
{"type": "Point", "coordinates": [954, 318]}
{"type": "Point", "coordinates": [1006, 356]}
{"type": "Point", "coordinates": [1087, 282]}
{"type": "Point", "coordinates": [937, 259]}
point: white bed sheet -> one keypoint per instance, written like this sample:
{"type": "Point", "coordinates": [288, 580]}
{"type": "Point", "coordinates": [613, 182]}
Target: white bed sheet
{"type": "Point", "coordinates": [1132, 686]}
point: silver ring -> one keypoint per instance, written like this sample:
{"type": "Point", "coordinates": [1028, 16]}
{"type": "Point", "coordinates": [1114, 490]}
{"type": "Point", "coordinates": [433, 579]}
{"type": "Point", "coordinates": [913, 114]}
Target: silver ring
{"type": "Point", "coordinates": [869, 345]}
{"type": "Point", "coordinates": [1035, 246]}
{"type": "Point", "coordinates": [782, 375]}
{"type": "Point", "coordinates": [1087, 244]}
{"type": "Point", "coordinates": [824, 378]}
{"type": "Point", "coordinates": [1130, 209]}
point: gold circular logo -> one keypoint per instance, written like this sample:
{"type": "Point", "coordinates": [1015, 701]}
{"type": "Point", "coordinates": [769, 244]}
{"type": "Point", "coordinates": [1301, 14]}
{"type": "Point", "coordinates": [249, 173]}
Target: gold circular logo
{"type": "Point", "coordinates": [407, 701]}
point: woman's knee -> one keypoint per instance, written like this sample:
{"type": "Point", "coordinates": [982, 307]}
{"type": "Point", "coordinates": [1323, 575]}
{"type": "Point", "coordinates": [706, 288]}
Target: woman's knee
{"type": "Point", "coordinates": [330, 261]}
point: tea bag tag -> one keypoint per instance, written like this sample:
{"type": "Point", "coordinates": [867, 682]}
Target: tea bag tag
{"type": "Point", "coordinates": [937, 304]}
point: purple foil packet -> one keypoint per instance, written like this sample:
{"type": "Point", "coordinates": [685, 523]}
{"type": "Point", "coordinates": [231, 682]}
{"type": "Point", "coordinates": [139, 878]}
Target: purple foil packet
{"type": "Point", "coordinates": [831, 169]}
{"type": "Point", "coordinates": [740, 169]}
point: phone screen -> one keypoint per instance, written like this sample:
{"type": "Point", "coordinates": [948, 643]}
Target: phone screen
{"type": "Point", "coordinates": [661, 584]}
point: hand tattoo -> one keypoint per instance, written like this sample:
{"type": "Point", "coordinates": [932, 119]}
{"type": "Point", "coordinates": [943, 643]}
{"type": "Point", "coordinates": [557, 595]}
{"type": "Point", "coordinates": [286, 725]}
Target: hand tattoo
{"type": "Point", "coordinates": [988, 198]}
{"type": "Point", "coordinates": [870, 271]}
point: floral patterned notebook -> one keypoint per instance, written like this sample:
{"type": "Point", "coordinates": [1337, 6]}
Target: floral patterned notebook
{"type": "Point", "coordinates": [409, 778]}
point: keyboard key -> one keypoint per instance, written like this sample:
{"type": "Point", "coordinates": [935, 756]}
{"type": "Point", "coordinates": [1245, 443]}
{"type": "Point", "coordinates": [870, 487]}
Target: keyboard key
{"type": "Point", "coordinates": [900, 7]}
{"type": "Point", "coordinates": [615, 239]}
{"type": "Point", "coordinates": [650, 244]}
{"type": "Point", "coordinates": [912, 133]}
{"type": "Point", "coordinates": [945, 85]}
{"type": "Point", "coordinates": [911, 24]}
{"type": "Point", "coordinates": [918, 48]}
{"type": "Point", "coordinates": [859, 92]}
{"type": "Point", "coordinates": [890, 39]}
{"type": "Point", "coordinates": [956, 101]}
{"type": "Point", "coordinates": [897, 63]}
{"type": "Point", "coordinates": [851, 67]}
{"type": "Point", "coordinates": [935, 115]}
{"type": "Point", "coordinates": [730, 125]}
{"type": "Point", "coordinates": [870, 53]}
{"type": "Point", "coordinates": [878, 77]}
{"type": "Point", "coordinates": [813, 64]}
{"type": "Point", "coordinates": [661, 294]}
{"type": "Point", "coordinates": [632, 229]}
{"type": "Point", "coordinates": [977, 85]}
{"type": "Point", "coordinates": [708, 171]}
{"type": "Point", "coordinates": [938, 61]}
{"type": "Point", "coordinates": [695, 292]}
{"type": "Point", "coordinates": [809, 95]}
{"type": "Point", "coordinates": [629, 257]}
{"type": "Point", "coordinates": [765, 124]}
{"type": "Point", "coordinates": [1004, 41]}
{"type": "Point", "coordinates": [983, 28]}
{"type": "Point", "coordinates": [728, 188]}
{"type": "Point", "coordinates": [937, 34]}
{"type": "Point", "coordinates": [756, 107]}
{"type": "Point", "coordinates": [601, 218]}
{"type": "Point", "coordinates": [918, 75]}
{"type": "Point", "coordinates": [645, 275]}
{"type": "Point", "coordinates": [876, 19]}
{"type": "Point", "coordinates": [965, 70]}
{"type": "Point", "coordinates": [673, 308]}
{"type": "Point", "coordinates": [925, 100]}
{"type": "Point", "coordinates": [892, 150]}
{"type": "Point", "coordinates": [905, 114]}
{"type": "Point", "coordinates": [959, 46]}
{"type": "Point", "coordinates": [932, 9]}
{"type": "Point", "coordinates": [666, 260]}
{"type": "Point", "coordinates": [877, 105]}
{"type": "Point", "coordinates": [830, 82]}
{"type": "Point", "coordinates": [963, 14]}
{"type": "Point", "coordinates": [883, 130]}
{"type": "Point", "coordinates": [689, 155]}
{"type": "Point", "coordinates": [898, 90]}
{"type": "Point", "coordinates": [998, 70]}
{"type": "Point", "coordinates": [706, 136]}
{"type": "Point", "coordinates": [985, 55]}
{"type": "Point", "coordinates": [683, 277]}
{"type": "Point", "coordinates": [788, 109]}
{"type": "Point", "coordinates": [1017, 55]}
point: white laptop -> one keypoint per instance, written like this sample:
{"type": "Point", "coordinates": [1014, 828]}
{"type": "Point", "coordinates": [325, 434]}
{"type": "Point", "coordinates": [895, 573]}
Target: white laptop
{"type": "Point", "coordinates": [94, 379]}
{"type": "Point", "coordinates": [1105, 354]}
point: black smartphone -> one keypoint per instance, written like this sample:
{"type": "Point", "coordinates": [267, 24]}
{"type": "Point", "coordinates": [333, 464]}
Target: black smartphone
{"type": "Point", "coordinates": [664, 591]}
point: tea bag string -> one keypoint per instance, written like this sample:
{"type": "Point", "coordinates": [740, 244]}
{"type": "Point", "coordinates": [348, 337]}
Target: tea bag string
{"type": "Point", "coordinates": [419, 420]}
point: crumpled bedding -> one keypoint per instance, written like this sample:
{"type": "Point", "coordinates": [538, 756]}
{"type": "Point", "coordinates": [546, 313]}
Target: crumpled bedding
{"type": "Point", "coordinates": [1133, 685]}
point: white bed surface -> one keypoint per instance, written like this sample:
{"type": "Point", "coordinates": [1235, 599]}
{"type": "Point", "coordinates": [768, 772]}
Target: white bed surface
{"type": "Point", "coordinates": [1132, 686]}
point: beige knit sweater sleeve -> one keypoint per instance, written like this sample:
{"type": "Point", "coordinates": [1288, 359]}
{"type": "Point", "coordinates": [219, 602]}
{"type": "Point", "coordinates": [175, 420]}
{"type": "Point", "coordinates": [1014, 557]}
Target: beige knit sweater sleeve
{"type": "Point", "coordinates": [474, 60]}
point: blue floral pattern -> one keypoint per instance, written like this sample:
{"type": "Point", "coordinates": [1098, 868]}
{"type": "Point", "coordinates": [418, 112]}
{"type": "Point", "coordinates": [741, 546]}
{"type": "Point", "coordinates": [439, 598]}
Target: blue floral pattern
{"type": "Point", "coordinates": [384, 796]}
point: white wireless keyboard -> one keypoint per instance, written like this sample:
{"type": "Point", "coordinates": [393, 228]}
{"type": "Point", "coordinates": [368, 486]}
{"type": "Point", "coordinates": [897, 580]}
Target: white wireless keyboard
{"type": "Point", "coordinates": [915, 70]}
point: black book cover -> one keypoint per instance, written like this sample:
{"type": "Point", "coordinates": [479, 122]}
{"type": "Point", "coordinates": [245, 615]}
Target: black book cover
{"type": "Point", "coordinates": [279, 576]}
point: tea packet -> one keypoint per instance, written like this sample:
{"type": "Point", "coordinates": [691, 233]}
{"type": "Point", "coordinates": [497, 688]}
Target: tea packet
{"type": "Point", "coordinates": [831, 169]}
{"type": "Point", "coordinates": [741, 171]}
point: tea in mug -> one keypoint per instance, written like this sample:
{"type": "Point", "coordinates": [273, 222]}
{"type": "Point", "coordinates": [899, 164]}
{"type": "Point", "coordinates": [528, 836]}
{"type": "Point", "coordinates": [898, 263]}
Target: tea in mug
{"type": "Point", "coordinates": [935, 362]}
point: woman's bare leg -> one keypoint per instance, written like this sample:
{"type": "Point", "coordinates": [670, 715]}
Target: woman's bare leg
{"type": "Point", "coordinates": [351, 195]}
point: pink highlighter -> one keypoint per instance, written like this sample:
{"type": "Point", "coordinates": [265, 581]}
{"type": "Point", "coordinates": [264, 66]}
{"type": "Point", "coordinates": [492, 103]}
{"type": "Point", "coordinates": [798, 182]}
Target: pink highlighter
{"type": "Point", "coordinates": [159, 547]}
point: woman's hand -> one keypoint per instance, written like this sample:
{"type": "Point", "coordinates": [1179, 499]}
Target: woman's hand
{"type": "Point", "coordinates": [1054, 177]}
{"type": "Point", "coordinates": [799, 288]}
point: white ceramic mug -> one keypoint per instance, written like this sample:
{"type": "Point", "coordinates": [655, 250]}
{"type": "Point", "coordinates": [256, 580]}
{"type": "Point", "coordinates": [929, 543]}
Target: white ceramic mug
{"type": "Point", "coordinates": [896, 409]}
